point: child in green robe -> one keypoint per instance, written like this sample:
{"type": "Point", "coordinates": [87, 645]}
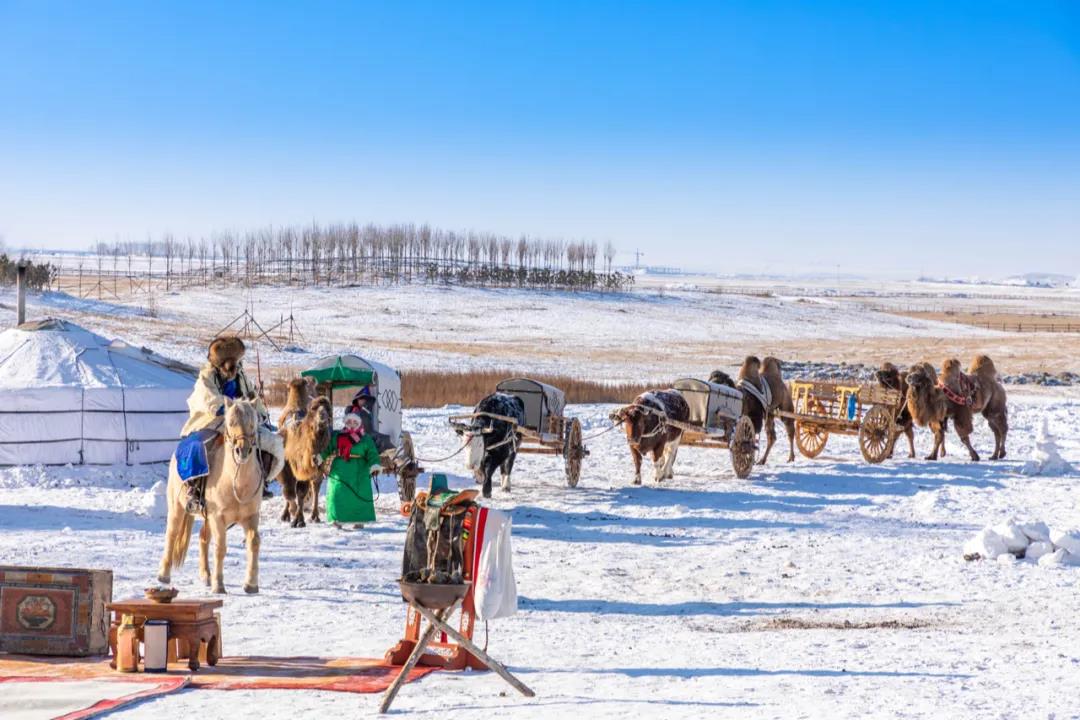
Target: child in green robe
{"type": "Point", "coordinates": [349, 496]}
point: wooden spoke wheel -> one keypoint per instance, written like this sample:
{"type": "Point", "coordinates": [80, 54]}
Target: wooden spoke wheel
{"type": "Point", "coordinates": [573, 452]}
{"type": "Point", "coordinates": [810, 437]}
{"type": "Point", "coordinates": [877, 433]}
{"type": "Point", "coordinates": [743, 448]}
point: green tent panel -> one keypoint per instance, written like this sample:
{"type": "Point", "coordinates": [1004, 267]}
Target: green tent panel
{"type": "Point", "coordinates": [340, 374]}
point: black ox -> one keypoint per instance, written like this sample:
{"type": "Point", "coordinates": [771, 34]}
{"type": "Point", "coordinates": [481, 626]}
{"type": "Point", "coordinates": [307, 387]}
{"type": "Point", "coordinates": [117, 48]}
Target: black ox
{"type": "Point", "coordinates": [493, 442]}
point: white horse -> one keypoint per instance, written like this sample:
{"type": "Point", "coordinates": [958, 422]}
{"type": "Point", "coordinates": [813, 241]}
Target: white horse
{"type": "Point", "coordinates": [233, 496]}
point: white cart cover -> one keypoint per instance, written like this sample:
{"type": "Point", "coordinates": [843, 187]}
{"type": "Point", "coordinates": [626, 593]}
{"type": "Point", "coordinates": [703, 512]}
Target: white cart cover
{"type": "Point", "coordinates": [710, 403]}
{"type": "Point", "coordinates": [541, 401]}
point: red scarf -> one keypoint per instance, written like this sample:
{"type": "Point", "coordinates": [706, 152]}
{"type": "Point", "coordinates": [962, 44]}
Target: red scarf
{"type": "Point", "coordinates": [347, 439]}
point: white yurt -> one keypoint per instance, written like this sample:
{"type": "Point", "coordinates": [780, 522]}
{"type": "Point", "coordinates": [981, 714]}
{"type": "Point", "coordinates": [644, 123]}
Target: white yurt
{"type": "Point", "coordinates": [68, 395]}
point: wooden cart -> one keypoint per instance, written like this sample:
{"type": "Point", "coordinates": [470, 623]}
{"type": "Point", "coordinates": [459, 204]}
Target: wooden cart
{"type": "Point", "coordinates": [546, 430]}
{"type": "Point", "coordinates": [845, 408]}
{"type": "Point", "coordinates": [716, 421]}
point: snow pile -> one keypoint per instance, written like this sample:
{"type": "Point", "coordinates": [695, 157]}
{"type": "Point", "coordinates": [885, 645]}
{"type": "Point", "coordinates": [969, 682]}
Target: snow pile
{"type": "Point", "coordinates": [154, 502]}
{"type": "Point", "coordinates": [1032, 541]}
{"type": "Point", "coordinates": [1046, 459]}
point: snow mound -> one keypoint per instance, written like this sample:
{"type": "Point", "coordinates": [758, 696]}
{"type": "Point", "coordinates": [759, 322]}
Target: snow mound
{"type": "Point", "coordinates": [1033, 541]}
{"type": "Point", "coordinates": [154, 502]}
{"type": "Point", "coordinates": [1046, 458]}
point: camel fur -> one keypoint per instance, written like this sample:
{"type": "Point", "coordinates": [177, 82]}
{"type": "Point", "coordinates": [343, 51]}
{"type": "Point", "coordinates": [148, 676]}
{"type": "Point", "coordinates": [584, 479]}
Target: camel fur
{"type": "Point", "coordinates": [305, 440]}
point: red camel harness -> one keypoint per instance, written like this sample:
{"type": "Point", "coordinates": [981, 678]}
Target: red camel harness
{"type": "Point", "coordinates": [966, 395]}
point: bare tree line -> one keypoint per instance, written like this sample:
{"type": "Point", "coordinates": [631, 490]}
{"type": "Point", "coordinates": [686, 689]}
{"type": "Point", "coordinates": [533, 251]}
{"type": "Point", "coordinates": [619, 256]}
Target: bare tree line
{"type": "Point", "coordinates": [345, 254]}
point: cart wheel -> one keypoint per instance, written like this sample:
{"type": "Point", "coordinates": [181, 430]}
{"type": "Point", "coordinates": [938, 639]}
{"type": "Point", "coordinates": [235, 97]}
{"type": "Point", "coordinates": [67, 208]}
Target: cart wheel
{"type": "Point", "coordinates": [811, 438]}
{"type": "Point", "coordinates": [573, 452]}
{"type": "Point", "coordinates": [876, 434]}
{"type": "Point", "coordinates": [743, 448]}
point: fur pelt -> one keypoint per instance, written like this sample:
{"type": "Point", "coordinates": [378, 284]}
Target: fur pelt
{"type": "Point", "coordinates": [225, 354]}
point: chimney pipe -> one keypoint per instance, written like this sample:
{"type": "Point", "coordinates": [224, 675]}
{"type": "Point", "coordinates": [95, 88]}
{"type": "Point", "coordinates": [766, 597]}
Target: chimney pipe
{"type": "Point", "coordinates": [20, 307]}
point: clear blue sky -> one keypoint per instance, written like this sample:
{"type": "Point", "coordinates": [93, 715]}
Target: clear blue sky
{"type": "Point", "coordinates": [884, 137]}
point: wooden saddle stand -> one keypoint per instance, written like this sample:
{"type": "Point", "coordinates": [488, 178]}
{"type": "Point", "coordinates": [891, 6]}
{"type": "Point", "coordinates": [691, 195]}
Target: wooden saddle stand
{"type": "Point", "coordinates": [436, 603]}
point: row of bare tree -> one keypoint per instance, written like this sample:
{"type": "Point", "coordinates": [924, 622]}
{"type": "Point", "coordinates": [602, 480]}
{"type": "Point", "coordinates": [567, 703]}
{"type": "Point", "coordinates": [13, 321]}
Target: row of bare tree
{"type": "Point", "coordinates": [354, 254]}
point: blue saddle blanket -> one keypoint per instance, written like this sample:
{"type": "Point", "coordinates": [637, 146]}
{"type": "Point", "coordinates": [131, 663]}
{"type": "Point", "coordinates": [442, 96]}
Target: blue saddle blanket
{"type": "Point", "coordinates": [191, 460]}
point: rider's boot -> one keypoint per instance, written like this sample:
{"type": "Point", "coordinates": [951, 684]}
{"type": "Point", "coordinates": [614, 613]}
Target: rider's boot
{"type": "Point", "coordinates": [195, 501]}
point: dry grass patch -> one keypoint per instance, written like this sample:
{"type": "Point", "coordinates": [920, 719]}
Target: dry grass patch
{"type": "Point", "coordinates": [435, 388]}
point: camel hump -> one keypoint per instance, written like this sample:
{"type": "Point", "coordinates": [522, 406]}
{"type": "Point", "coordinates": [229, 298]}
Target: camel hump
{"type": "Point", "coordinates": [772, 366]}
{"type": "Point", "coordinates": [983, 366]}
{"type": "Point", "coordinates": [750, 368]}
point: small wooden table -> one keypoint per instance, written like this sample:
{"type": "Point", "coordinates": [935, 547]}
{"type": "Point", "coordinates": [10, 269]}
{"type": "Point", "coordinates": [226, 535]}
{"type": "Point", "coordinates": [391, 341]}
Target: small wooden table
{"type": "Point", "coordinates": [191, 623]}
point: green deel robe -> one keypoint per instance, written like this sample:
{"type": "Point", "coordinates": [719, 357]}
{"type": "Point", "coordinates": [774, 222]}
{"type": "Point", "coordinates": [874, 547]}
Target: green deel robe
{"type": "Point", "coordinates": [349, 495]}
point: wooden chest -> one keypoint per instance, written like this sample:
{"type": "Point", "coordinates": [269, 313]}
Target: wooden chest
{"type": "Point", "coordinates": [54, 611]}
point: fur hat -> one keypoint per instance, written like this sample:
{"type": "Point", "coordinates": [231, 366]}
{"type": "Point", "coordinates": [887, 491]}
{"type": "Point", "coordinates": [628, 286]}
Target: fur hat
{"type": "Point", "coordinates": [225, 354]}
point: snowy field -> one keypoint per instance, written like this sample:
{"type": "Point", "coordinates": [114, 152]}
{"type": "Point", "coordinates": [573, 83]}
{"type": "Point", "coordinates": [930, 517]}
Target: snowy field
{"type": "Point", "coordinates": [819, 589]}
{"type": "Point", "coordinates": [656, 332]}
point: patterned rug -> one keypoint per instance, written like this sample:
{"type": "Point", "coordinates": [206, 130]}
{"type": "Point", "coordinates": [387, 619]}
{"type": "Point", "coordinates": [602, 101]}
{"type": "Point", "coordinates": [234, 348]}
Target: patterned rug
{"type": "Point", "coordinates": [355, 675]}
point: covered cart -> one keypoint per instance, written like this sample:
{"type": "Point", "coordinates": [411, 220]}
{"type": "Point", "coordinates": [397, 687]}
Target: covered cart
{"type": "Point", "coordinates": [716, 421]}
{"type": "Point", "coordinates": [845, 408]}
{"type": "Point", "coordinates": [395, 446]}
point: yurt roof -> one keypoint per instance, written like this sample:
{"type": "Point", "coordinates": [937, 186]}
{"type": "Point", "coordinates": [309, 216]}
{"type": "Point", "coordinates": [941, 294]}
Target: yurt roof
{"type": "Point", "coordinates": [59, 353]}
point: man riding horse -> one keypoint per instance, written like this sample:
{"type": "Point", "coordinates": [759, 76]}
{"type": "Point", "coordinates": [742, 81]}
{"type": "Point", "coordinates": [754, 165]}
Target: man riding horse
{"type": "Point", "coordinates": [221, 377]}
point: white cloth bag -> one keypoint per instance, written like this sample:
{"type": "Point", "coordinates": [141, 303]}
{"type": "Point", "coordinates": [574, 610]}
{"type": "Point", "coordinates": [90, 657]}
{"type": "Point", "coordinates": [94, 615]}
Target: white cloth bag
{"type": "Point", "coordinates": [495, 592]}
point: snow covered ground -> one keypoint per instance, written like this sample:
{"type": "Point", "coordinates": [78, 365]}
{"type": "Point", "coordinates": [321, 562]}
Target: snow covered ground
{"type": "Point", "coordinates": [819, 589]}
{"type": "Point", "coordinates": [654, 332]}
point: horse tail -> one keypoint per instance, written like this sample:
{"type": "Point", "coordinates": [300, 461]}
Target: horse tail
{"type": "Point", "coordinates": [178, 551]}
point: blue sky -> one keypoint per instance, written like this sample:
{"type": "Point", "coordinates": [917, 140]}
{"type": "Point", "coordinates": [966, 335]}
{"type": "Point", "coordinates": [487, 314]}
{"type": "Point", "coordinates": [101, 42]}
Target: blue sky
{"type": "Point", "coordinates": [899, 138]}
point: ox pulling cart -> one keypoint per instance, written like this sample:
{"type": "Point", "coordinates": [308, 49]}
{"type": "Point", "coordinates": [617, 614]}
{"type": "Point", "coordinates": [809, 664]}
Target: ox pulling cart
{"type": "Point", "coordinates": [716, 421]}
{"type": "Point", "coordinates": [545, 431]}
{"type": "Point", "coordinates": [864, 410]}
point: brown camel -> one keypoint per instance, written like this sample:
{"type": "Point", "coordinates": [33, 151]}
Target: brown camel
{"type": "Point", "coordinates": [764, 393]}
{"type": "Point", "coordinates": [978, 391]}
{"type": "Point", "coordinates": [928, 405]}
{"type": "Point", "coordinates": [305, 440]}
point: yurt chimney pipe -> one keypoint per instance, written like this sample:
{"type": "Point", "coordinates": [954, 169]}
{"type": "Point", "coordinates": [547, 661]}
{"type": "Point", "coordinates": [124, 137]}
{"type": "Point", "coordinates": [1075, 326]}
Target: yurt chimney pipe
{"type": "Point", "coordinates": [20, 306]}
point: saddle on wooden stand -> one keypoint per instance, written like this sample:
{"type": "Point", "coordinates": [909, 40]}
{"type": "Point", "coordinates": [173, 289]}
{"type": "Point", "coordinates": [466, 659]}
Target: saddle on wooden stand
{"type": "Point", "coordinates": [438, 569]}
